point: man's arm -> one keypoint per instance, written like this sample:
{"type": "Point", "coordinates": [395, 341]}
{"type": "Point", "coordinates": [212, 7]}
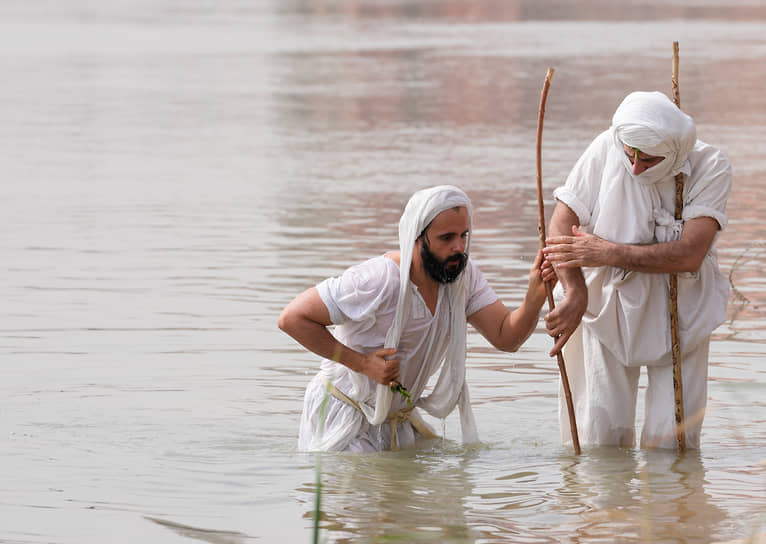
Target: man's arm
{"type": "Point", "coordinates": [566, 317]}
{"type": "Point", "coordinates": [306, 319]}
{"type": "Point", "coordinates": [684, 255]}
{"type": "Point", "coordinates": [508, 330]}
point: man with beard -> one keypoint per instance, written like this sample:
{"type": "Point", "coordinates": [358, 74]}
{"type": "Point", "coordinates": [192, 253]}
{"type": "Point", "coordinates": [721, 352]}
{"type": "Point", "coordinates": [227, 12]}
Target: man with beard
{"type": "Point", "coordinates": [401, 318]}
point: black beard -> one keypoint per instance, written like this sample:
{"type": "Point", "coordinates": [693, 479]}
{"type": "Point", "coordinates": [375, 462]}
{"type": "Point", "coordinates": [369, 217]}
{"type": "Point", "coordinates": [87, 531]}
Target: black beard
{"type": "Point", "coordinates": [437, 269]}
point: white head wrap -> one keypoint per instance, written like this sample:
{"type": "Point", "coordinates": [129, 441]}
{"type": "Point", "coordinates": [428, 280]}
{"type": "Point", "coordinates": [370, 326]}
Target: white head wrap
{"type": "Point", "coordinates": [450, 387]}
{"type": "Point", "coordinates": [651, 123]}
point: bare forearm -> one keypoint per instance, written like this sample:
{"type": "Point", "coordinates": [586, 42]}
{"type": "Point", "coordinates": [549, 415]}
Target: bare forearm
{"type": "Point", "coordinates": [562, 221]}
{"type": "Point", "coordinates": [306, 319]}
{"type": "Point", "coordinates": [581, 249]}
{"type": "Point", "coordinates": [563, 320]}
{"type": "Point", "coordinates": [521, 323]}
{"type": "Point", "coordinates": [675, 256]}
{"type": "Point", "coordinates": [317, 339]}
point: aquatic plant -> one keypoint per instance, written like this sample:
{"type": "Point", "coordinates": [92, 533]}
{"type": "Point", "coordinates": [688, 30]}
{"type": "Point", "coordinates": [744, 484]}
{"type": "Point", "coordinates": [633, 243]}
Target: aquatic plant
{"type": "Point", "coordinates": [318, 472]}
{"type": "Point", "coordinates": [399, 388]}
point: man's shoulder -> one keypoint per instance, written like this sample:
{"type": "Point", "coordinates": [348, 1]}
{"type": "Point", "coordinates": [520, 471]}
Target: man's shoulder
{"type": "Point", "coordinates": [368, 278]}
{"type": "Point", "coordinates": [703, 149]}
{"type": "Point", "coordinates": [473, 275]}
{"type": "Point", "coordinates": [603, 142]}
{"type": "Point", "coordinates": [706, 158]}
{"type": "Point", "coordinates": [375, 267]}
{"type": "Point", "coordinates": [472, 267]}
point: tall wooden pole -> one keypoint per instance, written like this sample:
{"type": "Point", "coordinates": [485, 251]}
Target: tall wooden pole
{"type": "Point", "coordinates": [541, 232]}
{"type": "Point", "coordinates": [675, 338]}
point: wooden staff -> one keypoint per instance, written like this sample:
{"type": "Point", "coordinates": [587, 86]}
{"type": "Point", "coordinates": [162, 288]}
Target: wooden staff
{"type": "Point", "coordinates": [675, 338]}
{"type": "Point", "coordinates": [541, 232]}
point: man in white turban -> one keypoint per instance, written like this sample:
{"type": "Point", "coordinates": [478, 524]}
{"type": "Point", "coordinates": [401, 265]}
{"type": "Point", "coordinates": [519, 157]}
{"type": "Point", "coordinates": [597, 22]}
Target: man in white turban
{"type": "Point", "coordinates": [401, 318]}
{"type": "Point", "coordinates": [613, 242]}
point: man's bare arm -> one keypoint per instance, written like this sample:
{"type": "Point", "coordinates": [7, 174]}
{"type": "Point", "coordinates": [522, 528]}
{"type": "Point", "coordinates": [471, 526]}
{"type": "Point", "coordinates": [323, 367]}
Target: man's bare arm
{"type": "Point", "coordinates": [685, 255]}
{"type": "Point", "coordinates": [508, 330]}
{"type": "Point", "coordinates": [306, 319]}
{"type": "Point", "coordinates": [566, 317]}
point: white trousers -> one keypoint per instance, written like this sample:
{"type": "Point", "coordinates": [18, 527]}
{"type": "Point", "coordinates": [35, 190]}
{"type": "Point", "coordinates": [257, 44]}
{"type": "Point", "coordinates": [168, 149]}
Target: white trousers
{"type": "Point", "coordinates": [604, 394]}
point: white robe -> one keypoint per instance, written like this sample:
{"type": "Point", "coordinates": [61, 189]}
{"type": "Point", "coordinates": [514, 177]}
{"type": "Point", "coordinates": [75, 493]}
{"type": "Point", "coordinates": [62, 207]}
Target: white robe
{"type": "Point", "coordinates": [363, 302]}
{"type": "Point", "coordinates": [627, 310]}
{"type": "Point", "coordinates": [626, 323]}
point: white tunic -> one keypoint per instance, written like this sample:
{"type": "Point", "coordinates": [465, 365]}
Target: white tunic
{"type": "Point", "coordinates": [626, 324]}
{"type": "Point", "coordinates": [362, 303]}
{"type": "Point", "coordinates": [628, 311]}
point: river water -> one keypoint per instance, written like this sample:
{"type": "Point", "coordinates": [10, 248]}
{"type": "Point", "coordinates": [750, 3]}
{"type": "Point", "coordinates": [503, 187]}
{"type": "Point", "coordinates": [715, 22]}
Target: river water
{"type": "Point", "coordinates": [174, 172]}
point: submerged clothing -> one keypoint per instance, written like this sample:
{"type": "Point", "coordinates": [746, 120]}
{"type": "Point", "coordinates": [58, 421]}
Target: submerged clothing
{"type": "Point", "coordinates": [362, 302]}
{"type": "Point", "coordinates": [604, 392]}
{"type": "Point", "coordinates": [627, 320]}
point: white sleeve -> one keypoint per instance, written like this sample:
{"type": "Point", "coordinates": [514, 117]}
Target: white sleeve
{"type": "Point", "coordinates": [709, 185]}
{"type": "Point", "coordinates": [358, 292]}
{"type": "Point", "coordinates": [580, 191]}
{"type": "Point", "coordinates": [478, 292]}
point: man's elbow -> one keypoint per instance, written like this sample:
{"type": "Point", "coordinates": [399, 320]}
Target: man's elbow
{"type": "Point", "coordinates": [286, 321]}
{"type": "Point", "coordinates": [509, 348]}
{"type": "Point", "coordinates": [510, 345]}
{"type": "Point", "coordinates": [691, 264]}
{"type": "Point", "coordinates": [690, 269]}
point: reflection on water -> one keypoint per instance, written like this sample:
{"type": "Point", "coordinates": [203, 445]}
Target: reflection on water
{"type": "Point", "coordinates": [174, 173]}
{"type": "Point", "coordinates": [643, 496]}
{"type": "Point", "coordinates": [394, 497]}
{"type": "Point", "coordinates": [437, 496]}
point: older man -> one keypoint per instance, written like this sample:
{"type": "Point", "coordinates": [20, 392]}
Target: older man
{"type": "Point", "coordinates": [401, 318]}
{"type": "Point", "coordinates": [613, 242]}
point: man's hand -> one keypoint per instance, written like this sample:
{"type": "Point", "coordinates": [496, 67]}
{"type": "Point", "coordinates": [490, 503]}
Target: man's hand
{"type": "Point", "coordinates": [580, 249]}
{"type": "Point", "coordinates": [565, 318]}
{"type": "Point", "coordinates": [541, 272]}
{"type": "Point", "coordinates": [381, 370]}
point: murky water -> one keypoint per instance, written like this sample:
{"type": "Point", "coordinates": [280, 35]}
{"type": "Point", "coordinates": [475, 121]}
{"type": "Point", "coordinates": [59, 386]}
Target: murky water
{"type": "Point", "coordinates": [173, 173]}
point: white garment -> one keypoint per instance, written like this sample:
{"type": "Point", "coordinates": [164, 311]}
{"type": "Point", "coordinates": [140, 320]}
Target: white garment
{"type": "Point", "coordinates": [363, 302]}
{"type": "Point", "coordinates": [627, 319]}
{"type": "Point", "coordinates": [604, 393]}
{"type": "Point", "coordinates": [626, 308]}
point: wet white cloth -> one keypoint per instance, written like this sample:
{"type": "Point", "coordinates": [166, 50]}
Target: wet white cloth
{"type": "Point", "coordinates": [450, 388]}
{"type": "Point", "coordinates": [627, 311]}
{"type": "Point", "coordinates": [363, 302]}
{"type": "Point", "coordinates": [604, 393]}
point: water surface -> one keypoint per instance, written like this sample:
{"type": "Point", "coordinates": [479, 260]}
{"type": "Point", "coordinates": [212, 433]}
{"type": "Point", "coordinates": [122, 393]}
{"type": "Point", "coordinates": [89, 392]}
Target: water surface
{"type": "Point", "coordinates": [175, 172]}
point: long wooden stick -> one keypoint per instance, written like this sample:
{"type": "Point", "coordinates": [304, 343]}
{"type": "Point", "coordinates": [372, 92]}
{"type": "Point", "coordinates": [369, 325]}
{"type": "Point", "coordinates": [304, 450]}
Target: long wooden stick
{"type": "Point", "coordinates": [541, 232]}
{"type": "Point", "coordinates": [675, 338]}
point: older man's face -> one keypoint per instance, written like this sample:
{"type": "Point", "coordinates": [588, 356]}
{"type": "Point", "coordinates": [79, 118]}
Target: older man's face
{"type": "Point", "coordinates": [640, 160]}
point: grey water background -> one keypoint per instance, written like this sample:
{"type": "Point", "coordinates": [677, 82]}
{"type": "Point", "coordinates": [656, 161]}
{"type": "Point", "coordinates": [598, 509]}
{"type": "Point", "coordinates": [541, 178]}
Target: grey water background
{"type": "Point", "coordinates": [173, 172]}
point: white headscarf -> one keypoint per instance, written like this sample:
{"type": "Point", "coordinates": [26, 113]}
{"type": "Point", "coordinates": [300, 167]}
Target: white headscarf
{"type": "Point", "coordinates": [450, 387]}
{"type": "Point", "coordinates": [651, 123]}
